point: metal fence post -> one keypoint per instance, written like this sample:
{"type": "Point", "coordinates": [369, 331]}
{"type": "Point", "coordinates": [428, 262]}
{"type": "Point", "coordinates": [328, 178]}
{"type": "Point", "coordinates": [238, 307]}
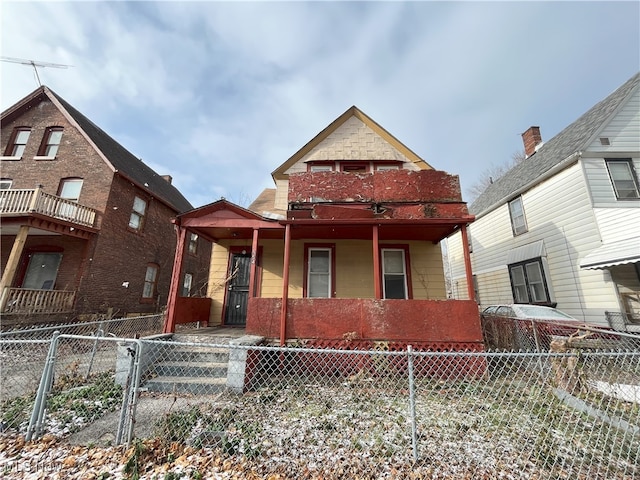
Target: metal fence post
{"type": "Point", "coordinates": [125, 396]}
{"type": "Point", "coordinates": [412, 404]}
{"type": "Point", "coordinates": [130, 397]}
{"type": "Point", "coordinates": [99, 333]}
{"type": "Point", "coordinates": [46, 381]}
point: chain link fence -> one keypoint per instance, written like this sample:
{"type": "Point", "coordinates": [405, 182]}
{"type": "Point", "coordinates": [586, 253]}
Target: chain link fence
{"type": "Point", "coordinates": [570, 412]}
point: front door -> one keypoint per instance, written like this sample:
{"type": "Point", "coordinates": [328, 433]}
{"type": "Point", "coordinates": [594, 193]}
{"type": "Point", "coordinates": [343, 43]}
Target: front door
{"type": "Point", "coordinates": [42, 271]}
{"type": "Point", "coordinates": [237, 289]}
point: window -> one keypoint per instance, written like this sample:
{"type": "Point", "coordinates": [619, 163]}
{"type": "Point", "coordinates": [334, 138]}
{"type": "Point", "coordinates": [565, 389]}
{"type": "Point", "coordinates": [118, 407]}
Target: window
{"type": "Point", "coordinates": [383, 168]}
{"type": "Point", "coordinates": [394, 273]}
{"type": "Point", "coordinates": [50, 142]}
{"type": "Point", "coordinates": [5, 183]}
{"type": "Point", "coordinates": [42, 271]}
{"type": "Point", "coordinates": [136, 219]}
{"type": "Point", "coordinates": [623, 178]}
{"type": "Point", "coordinates": [193, 244]}
{"type": "Point", "coordinates": [355, 167]}
{"type": "Point", "coordinates": [150, 281]}
{"type": "Point", "coordinates": [528, 282]}
{"type": "Point", "coordinates": [320, 168]}
{"type": "Point", "coordinates": [319, 268]}
{"type": "Point", "coordinates": [518, 221]}
{"type": "Point", "coordinates": [186, 284]}
{"type": "Point", "coordinates": [69, 190]}
{"type": "Point", "coordinates": [18, 142]}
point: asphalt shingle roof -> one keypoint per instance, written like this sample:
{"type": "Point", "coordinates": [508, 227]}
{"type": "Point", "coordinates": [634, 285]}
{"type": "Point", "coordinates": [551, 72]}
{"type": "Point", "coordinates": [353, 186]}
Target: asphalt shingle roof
{"type": "Point", "coordinates": [127, 163]}
{"type": "Point", "coordinates": [570, 140]}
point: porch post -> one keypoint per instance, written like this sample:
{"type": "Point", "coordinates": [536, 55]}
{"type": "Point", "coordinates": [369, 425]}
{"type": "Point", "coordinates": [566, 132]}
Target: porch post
{"type": "Point", "coordinates": [377, 278]}
{"type": "Point", "coordinates": [467, 262]}
{"type": "Point", "coordinates": [254, 261]}
{"type": "Point", "coordinates": [285, 283]}
{"type": "Point", "coordinates": [13, 262]}
{"type": "Point", "coordinates": [174, 289]}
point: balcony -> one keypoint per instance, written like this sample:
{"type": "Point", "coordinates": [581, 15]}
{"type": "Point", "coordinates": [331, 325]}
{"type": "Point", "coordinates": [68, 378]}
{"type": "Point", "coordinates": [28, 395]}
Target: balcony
{"type": "Point", "coordinates": [20, 202]}
{"type": "Point", "coordinates": [23, 301]}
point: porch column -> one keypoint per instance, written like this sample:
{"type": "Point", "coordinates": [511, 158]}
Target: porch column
{"type": "Point", "coordinates": [377, 278]}
{"type": "Point", "coordinates": [285, 283]}
{"type": "Point", "coordinates": [254, 257]}
{"type": "Point", "coordinates": [467, 263]}
{"type": "Point", "coordinates": [13, 262]}
{"type": "Point", "coordinates": [174, 289]}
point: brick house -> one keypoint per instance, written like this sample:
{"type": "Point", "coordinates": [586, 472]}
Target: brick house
{"type": "Point", "coordinates": [86, 226]}
{"type": "Point", "coordinates": [344, 251]}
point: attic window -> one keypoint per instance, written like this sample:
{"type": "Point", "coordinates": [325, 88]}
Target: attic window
{"type": "Point", "coordinates": [50, 142]}
{"type": "Point", "coordinates": [604, 141]}
{"type": "Point", "coordinates": [17, 142]}
{"type": "Point", "coordinates": [359, 167]}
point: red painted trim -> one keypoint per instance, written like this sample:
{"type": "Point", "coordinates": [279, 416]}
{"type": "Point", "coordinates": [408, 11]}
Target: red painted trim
{"type": "Point", "coordinates": [379, 221]}
{"type": "Point", "coordinates": [285, 284]}
{"type": "Point", "coordinates": [467, 263]}
{"type": "Point", "coordinates": [407, 265]}
{"type": "Point", "coordinates": [377, 277]}
{"type": "Point", "coordinates": [254, 261]}
{"type": "Point", "coordinates": [174, 289]}
{"type": "Point", "coordinates": [233, 249]}
{"type": "Point", "coordinates": [330, 246]}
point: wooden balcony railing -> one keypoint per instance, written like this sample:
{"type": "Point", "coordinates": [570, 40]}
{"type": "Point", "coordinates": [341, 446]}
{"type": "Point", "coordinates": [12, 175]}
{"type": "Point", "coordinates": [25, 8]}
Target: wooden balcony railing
{"type": "Point", "coordinates": [27, 301]}
{"type": "Point", "coordinates": [27, 201]}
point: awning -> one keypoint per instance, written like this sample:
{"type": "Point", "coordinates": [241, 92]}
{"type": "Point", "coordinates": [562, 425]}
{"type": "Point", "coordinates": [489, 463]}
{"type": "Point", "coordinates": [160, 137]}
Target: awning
{"type": "Point", "coordinates": [526, 252]}
{"type": "Point", "coordinates": [614, 253]}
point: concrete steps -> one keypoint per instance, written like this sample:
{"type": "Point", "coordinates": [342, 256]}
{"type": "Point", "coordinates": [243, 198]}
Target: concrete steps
{"type": "Point", "coordinates": [190, 368]}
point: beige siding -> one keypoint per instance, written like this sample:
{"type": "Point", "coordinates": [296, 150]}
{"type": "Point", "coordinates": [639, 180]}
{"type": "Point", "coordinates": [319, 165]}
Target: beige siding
{"type": "Point", "coordinates": [427, 272]}
{"type": "Point", "coordinates": [282, 192]}
{"type": "Point", "coordinates": [494, 287]}
{"type": "Point", "coordinates": [354, 260]}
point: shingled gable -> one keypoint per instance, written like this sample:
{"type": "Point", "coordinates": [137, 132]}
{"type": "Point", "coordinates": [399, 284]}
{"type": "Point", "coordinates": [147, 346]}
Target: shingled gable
{"type": "Point", "coordinates": [121, 161]}
{"type": "Point", "coordinates": [278, 173]}
{"type": "Point", "coordinates": [561, 148]}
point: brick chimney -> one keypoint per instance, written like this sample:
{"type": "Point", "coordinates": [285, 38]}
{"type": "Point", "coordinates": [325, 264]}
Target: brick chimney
{"type": "Point", "coordinates": [531, 139]}
{"type": "Point", "coordinates": [167, 178]}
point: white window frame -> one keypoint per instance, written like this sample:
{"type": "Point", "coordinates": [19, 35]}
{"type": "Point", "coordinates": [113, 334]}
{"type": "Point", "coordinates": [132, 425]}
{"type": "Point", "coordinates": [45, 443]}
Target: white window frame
{"type": "Point", "coordinates": [328, 274]}
{"type": "Point", "coordinates": [518, 219]}
{"type": "Point", "coordinates": [320, 168]}
{"type": "Point", "coordinates": [150, 281]}
{"type": "Point", "coordinates": [193, 244]}
{"type": "Point", "coordinates": [631, 178]}
{"type": "Point", "coordinates": [5, 183]}
{"type": "Point", "coordinates": [384, 168]}
{"type": "Point", "coordinates": [187, 283]}
{"type": "Point", "coordinates": [138, 214]}
{"type": "Point", "coordinates": [384, 251]}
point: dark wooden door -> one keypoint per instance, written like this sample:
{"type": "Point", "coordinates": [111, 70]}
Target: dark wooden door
{"type": "Point", "coordinates": [238, 290]}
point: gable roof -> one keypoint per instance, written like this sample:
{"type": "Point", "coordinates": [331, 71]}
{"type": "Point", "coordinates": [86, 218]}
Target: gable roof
{"type": "Point", "coordinates": [561, 148]}
{"type": "Point", "coordinates": [353, 111]}
{"type": "Point", "coordinates": [115, 155]}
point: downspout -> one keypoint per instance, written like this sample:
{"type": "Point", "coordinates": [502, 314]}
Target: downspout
{"type": "Point", "coordinates": [170, 322]}
{"type": "Point", "coordinates": [285, 283]}
{"type": "Point", "coordinates": [467, 263]}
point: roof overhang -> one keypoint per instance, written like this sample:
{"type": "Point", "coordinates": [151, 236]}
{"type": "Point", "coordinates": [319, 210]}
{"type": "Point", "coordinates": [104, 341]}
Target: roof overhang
{"type": "Point", "coordinates": [612, 254]}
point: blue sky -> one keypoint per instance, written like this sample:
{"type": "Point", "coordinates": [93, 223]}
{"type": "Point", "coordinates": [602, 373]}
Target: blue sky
{"type": "Point", "coordinates": [219, 94]}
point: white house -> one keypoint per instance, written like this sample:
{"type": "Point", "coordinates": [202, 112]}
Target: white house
{"type": "Point", "coordinates": [562, 227]}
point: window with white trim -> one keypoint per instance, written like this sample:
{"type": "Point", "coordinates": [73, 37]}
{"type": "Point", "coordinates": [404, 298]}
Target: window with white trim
{"type": "Point", "coordinates": [518, 220]}
{"type": "Point", "coordinates": [394, 273]}
{"type": "Point", "coordinates": [320, 168]}
{"type": "Point", "coordinates": [193, 244]}
{"type": "Point", "coordinates": [383, 168]}
{"type": "Point", "coordinates": [186, 284]}
{"type": "Point", "coordinates": [528, 282]}
{"type": "Point", "coordinates": [50, 142]}
{"type": "Point", "coordinates": [136, 220]}
{"type": "Point", "coordinates": [319, 272]}
{"type": "Point", "coordinates": [18, 142]}
{"type": "Point", "coordinates": [150, 281]}
{"type": "Point", "coordinates": [5, 183]}
{"type": "Point", "coordinates": [623, 178]}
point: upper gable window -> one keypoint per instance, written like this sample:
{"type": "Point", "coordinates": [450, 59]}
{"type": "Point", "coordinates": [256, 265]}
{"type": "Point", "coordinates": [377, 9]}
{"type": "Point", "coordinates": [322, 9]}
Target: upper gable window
{"type": "Point", "coordinates": [320, 168]}
{"type": "Point", "coordinates": [136, 220]}
{"type": "Point", "coordinates": [518, 220]}
{"type": "Point", "coordinates": [383, 168]}
{"type": "Point", "coordinates": [623, 178]}
{"type": "Point", "coordinates": [50, 142]}
{"type": "Point", "coordinates": [358, 167]}
{"type": "Point", "coordinates": [17, 142]}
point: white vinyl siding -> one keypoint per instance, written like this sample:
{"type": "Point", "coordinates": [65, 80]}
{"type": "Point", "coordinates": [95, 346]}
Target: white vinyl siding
{"type": "Point", "coordinates": [623, 131]}
{"type": "Point", "coordinates": [569, 232]}
{"type": "Point", "coordinates": [600, 186]}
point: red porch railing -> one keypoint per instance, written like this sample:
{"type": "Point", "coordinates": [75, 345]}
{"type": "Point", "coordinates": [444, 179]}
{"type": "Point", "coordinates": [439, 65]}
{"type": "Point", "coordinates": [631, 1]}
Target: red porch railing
{"type": "Point", "coordinates": [27, 301]}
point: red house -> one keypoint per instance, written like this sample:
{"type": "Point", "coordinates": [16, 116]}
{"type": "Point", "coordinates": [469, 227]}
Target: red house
{"type": "Point", "coordinates": [345, 251]}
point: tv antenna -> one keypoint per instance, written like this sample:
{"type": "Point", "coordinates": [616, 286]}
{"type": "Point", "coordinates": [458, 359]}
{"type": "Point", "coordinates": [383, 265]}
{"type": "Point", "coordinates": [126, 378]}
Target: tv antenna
{"type": "Point", "coordinates": [35, 64]}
